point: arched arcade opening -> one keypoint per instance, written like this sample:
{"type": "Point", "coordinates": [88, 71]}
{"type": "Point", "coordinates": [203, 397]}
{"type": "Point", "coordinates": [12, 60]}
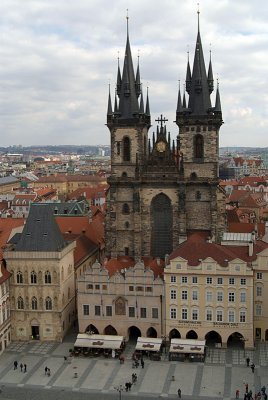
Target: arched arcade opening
{"type": "Point", "coordinates": [133, 333]}
{"type": "Point", "coordinates": [213, 339]}
{"type": "Point", "coordinates": [151, 332]}
{"type": "Point", "coordinates": [191, 335]}
{"type": "Point", "coordinates": [174, 333]}
{"type": "Point", "coordinates": [91, 330]}
{"type": "Point", "coordinates": [236, 340]}
{"type": "Point", "coordinates": [110, 330]}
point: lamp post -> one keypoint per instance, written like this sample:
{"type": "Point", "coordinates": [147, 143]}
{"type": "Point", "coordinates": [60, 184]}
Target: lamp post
{"type": "Point", "coordinates": [119, 389]}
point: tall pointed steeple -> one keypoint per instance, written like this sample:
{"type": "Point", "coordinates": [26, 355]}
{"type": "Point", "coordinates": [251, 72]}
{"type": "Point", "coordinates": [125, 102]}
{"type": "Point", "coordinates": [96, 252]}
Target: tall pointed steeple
{"type": "Point", "coordinates": [198, 89]}
{"type": "Point", "coordinates": [141, 104]}
{"type": "Point", "coordinates": [138, 79]}
{"type": "Point", "coordinates": [147, 109]}
{"type": "Point", "coordinates": [179, 103]}
{"type": "Point", "coordinates": [119, 79]}
{"type": "Point", "coordinates": [128, 99]}
{"type": "Point", "coordinates": [109, 108]}
{"type": "Point", "coordinates": [210, 76]}
{"type": "Point", "coordinates": [217, 108]}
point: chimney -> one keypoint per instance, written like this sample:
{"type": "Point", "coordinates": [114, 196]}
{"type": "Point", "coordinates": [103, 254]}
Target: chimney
{"type": "Point", "coordinates": [250, 249]}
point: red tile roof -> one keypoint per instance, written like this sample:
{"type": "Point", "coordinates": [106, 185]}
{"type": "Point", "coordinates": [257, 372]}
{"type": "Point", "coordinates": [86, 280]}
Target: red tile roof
{"type": "Point", "coordinates": [196, 249]}
{"type": "Point", "coordinates": [114, 265]}
{"type": "Point", "coordinates": [241, 227]}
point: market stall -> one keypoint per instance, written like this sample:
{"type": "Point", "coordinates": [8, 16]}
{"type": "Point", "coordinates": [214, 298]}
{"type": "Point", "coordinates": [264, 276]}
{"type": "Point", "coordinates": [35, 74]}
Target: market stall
{"type": "Point", "coordinates": [99, 344]}
{"type": "Point", "coordinates": [187, 349]}
{"type": "Point", "coordinates": [150, 347]}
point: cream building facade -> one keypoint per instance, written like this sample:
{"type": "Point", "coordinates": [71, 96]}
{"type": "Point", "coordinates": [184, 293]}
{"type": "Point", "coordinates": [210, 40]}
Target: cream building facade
{"type": "Point", "coordinates": [42, 286]}
{"type": "Point", "coordinates": [121, 298]}
{"type": "Point", "coordinates": [211, 292]}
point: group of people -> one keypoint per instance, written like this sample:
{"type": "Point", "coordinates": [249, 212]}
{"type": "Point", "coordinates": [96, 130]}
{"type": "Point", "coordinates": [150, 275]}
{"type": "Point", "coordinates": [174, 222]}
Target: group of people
{"type": "Point", "coordinates": [23, 367]}
{"type": "Point", "coordinates": [128, 385]}
{"type": "Point", "coordinates": [135, 362]}
{"type": "Point", "coordinates": [261, 395]}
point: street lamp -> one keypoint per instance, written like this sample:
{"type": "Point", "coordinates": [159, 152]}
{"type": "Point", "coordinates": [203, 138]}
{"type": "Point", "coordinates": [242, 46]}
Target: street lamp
{"type": "Point", "coordinates": [120, 389]}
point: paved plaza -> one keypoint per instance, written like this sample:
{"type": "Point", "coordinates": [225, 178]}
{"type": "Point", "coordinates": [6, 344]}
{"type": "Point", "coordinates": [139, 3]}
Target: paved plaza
{"type": "Point", "coordinates": [223, 372]}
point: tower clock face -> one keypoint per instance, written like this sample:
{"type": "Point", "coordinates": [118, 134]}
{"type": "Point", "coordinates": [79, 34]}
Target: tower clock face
{"type": "Point", "coordinates": [161, 146]}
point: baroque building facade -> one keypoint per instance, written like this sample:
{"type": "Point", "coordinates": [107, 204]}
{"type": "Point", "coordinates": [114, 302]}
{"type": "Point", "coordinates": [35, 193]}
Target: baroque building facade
{"type": "Point", "coordinates": [161, 190]}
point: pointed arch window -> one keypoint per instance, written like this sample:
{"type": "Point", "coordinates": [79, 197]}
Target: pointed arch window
{"type": "Point", "coordinates": [126, 149]}
{"type": "Point", "coordinates": [33, 277]}
{"type": "Point", "coordinates": [20, 303]}
{"type": "Point", "coordinates": [118, 148]}
{"type": "Point", "coordinates": [34, 303]}
{"type": "Point", "coordinates": [19, 277]}
{"type": "Point", "coordinates": [198, 146]}
{"type": "Point", "coordinates": [125, 209]}
{"type": "Point", "coordinates": [47, 277]}
{"type": "Point", "coordinates": [48, 303]}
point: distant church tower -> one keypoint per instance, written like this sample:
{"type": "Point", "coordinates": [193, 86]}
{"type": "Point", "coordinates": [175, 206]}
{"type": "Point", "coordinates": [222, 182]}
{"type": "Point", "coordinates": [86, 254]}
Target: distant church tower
{"type": "Point", "coordinates": [161, 190]}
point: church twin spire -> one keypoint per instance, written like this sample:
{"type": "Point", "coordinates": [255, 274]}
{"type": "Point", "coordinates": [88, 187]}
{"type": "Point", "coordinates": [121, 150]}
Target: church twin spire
{"type": "Point", "coordinates": [128, 91]}
{"type": "Point", "coordinates": [199, 85]}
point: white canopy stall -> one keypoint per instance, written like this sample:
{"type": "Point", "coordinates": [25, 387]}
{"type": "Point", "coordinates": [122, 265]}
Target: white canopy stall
{"type": "Point", "coordinates": [107, 342]}
{"type": "Point", "coordinates": [191, 349]}
{"type": "Point", "coordinates": [147, 344]}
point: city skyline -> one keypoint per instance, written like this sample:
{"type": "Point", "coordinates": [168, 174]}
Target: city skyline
{"type": "Point", "coordinates": [58, 59]}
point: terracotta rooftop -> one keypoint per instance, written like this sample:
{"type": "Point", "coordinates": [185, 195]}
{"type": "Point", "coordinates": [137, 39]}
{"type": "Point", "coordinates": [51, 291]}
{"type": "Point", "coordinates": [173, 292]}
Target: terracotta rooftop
{"type": "Point", "coordinates": [114, 265]}
{"type": "Point", "coordinates": [196, 249]}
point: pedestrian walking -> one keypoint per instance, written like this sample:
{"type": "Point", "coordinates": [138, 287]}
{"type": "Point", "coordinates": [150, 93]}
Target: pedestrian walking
{"type": "Point", "coordinates": [25, 368]}
{"type": "Point", "coordinates": [179, 393]}
{"type": "Point", "coordinates": [248, 361]}
{"type": "Point", "coordinates": [48, 372]}
{"type": "Point", "coordinates": [46, 368]}
{"type": "Point", "coordinates": [246, 386]}
{"type": "Point", "coordinates": [237, 394]}
{"type": "Point", "coordinates": [142, 363]}
{"type": "Point", "coordinates": [252, 367]}
{"type": "Point", "coordinates": [21, 367]}
{"type": "Point", "coordinates": [15, 364]}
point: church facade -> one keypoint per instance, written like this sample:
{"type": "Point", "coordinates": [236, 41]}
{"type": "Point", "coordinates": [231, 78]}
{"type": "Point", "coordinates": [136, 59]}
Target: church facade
{"type": "Point", "coordinates": [162, 190]}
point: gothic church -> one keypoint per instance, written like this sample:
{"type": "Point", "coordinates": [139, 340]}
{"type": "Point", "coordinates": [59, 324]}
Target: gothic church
{"type": "Point", "coordinates": [161, 190]}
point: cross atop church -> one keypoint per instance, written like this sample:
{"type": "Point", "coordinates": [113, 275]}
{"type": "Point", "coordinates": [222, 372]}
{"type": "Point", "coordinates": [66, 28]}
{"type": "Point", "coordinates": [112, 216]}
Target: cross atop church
{"type": "Point", "coordinates": [161, 120]}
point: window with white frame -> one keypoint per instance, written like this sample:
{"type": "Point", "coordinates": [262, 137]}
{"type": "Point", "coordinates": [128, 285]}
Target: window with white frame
{"type": "Point", "coordinates": [259, 291]}
{"type": "Point", "coordinates": [219, 315]}
{"type": "Point", "coordinates": [237, 267]}
{"type": "Point", "coordinates": [178, 266]}
{"type": "Point", "coordinates": [242, 316]}
{"type": "Point", "coordinates": [194, 279]}
{"type": "Point", "coordinates": [184, 295]}
{"type": "Point", "coordinates": [173, 313]}
{"type": "Point", "coordinates": [231, 316]}
{"type": "Point", "coordinates": [219, 296]}
{"type": "Point", "coordinates": [194, 314]}
{"type": "Point", "coordinates": [242, 297]}
{"type": "Point", "coordinates": [231, 281]}
{"type": "Point", "coordinates": [231, 297]}
{"type": "Point", "coordinates": [209, 314]}
{"type": "Point", "coordinates": [85, 309]}
{"type": "Point", "coordinates": [184, 279]}
{"type": "Point", "coordinates": [259, 275]}
{"type": "Point", "coordinates": [194, 295]}
{"type": "Point", "coordinates": [220, 281]}
{"type": "Point", "coordinates": [173, 294]}
{"type": "Point", "coordinates": [184, 313]}
{"type": "Point", "coordinates": [154, 312]}
{"type": "Point", "coordinates": [173, 279]}
{"type": "Point", "coordinates": [243, 281]}
{"type": "Point", "coordinates": [258, 310]}
{"type": "Point", "coordinates": [109, 311]}
{"type": "Point", "coordinates": [209, 296]}
{"type": "Point", "coordinates": [209, 280]}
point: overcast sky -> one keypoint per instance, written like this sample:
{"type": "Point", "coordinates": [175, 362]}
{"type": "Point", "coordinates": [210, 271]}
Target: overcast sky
{"type": "Point", "coordinates": [58, 57]}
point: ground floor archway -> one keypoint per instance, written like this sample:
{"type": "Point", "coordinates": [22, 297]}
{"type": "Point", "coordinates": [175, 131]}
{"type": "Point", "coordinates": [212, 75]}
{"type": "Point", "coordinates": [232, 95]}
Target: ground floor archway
{"type": "Point", "coordinates": [236, 340]}
{"type": "Point", "coordinates": [151, 332]}
{"type": "Point", "coordinates": [191, 335]}
{"type": "Point", "coordinates": [91, 330]}
{"type": "Point", "coordinates": [110, 330]}
{"type": "Point", "coordinates": [133, 333]}
{"type": "Point", "coordinates": [174, 333]}
{"type": "Point", "coordinates": [213, 338]}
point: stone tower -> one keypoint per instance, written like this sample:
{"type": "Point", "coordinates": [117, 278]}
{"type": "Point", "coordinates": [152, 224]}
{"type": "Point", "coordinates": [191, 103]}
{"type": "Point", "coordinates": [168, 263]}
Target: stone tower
{"type": "Point", "coordinates": [161, 190]}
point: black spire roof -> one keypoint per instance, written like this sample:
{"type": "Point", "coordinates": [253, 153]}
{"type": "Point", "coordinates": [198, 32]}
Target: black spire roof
{"type": "Point", "coordinates": [199, 92]}
{"type": "Point", "coordinates": [41, 232]}
{"type": "Point", "coordinates": [128, 89]}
